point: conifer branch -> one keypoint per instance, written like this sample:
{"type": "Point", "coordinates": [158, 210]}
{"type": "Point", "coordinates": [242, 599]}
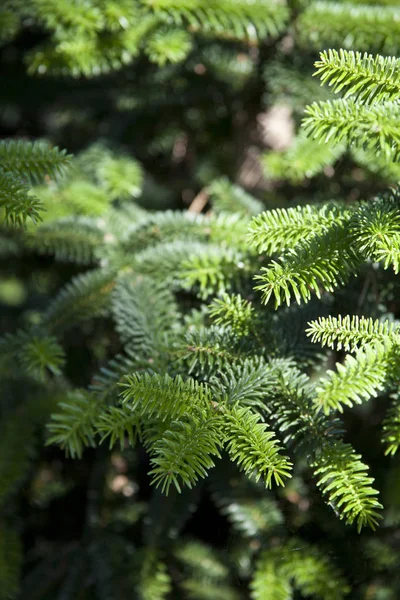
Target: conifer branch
{"type": "Point", "coordinates": [254, 448]}
{"type": "Point", "coordinates": [366, 77]}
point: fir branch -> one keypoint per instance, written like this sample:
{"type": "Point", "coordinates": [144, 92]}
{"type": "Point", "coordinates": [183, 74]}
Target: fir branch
{"type": "Point", "coordinates": [349, 332]}
{"type": "Point", "coordinates": [186, 451]}
{"type": "Point", "coordinates": [344, 478]}
{"type": "Point", "coordinates": [279, 229]}
{"type": "Point", "coordinates": [374, 127]}
{"type": "Point", "coordinates": [376, 230]}
{"type": "Point", "coordinates": [71, 239]}
{"type": "Point", "coordinates": [84, 297]}
{"type": "Point", "coordinates": [366, 77]}
{"type": "Point", "coordinates": [143, 311]}
{"type": "Point", "coordinates": [207, 349]}
{"type": "Point", "coordinates": [163, 397]}
{"type": "Point", "coordinates": [325, 261]}
{"type": "Point", "coordinates": [72, 427]}
{"type": "Point", "coordinates": [32, 160]}
{"type": "Point", "coordinates": [17, 201]}
{"type": "Point", "coordinates": [361, 377]}
{"type": "Point", "coordinates": [168, 46]}
{"type": "Point", "coordinates": [233, 311]}
{"type": "Point", "coordinates": [254, 448]}
{"type": "Point", "coordinates": [244, 383]}
{"type": "Point", "coordinates": [118, 424]}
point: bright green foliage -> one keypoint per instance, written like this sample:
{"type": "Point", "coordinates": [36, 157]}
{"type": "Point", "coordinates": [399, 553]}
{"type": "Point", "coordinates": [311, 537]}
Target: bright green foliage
{"type": "Point", "coordinates": [278, 229]}
{"type": "Point", "coordinates": [254, 448]}
{"type": "Point", "coordinates": [348, 332]}
{"type": "Point", "coordinates": [153, 581]}
{"type": "Point", "coordinates": [326, 255]}
{"type": "Point", "coordinates": [234, 312]}
{"type": "Point", "coordinates": [17, 202]}
{"type": "Point", "coordinates": [169, 46]}
{"type": "Point", "coordinates": [343, 476]}
{"type": "Point", "coordinates": [98, 36]}
{"type": "Point", "coordinates": [143, 392]}
{"type": "Point", "coordinates": [360, 377]}
{"type": "Point", "coordinates": [366, 77]}
{"type": "Point", "coordinates": [374, 127]}
{"type": "Point", "coordinates": [324, 261]}
{"type": "Point", "coordinates": [376, 230]}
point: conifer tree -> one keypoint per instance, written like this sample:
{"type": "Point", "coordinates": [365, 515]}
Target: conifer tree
{"type": "Point", "coordinates": [200, 322]}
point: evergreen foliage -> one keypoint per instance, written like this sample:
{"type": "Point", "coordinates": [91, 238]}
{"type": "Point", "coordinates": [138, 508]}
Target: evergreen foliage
{"type": "Point", "coordinates": [147, 382]}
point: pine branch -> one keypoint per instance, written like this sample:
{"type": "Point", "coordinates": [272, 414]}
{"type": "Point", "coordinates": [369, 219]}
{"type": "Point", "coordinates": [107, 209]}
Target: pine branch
{"type": "Point", "coordinates": [244, 383]}
{"type": "Point", "coordinates": [86, 296]}
{"type": "Point", "coordinates": [151, 578]}
{"type": "Point", "coordinates": [168, 46]}
{"type": "Point", "coordinates": [206, 350]}
{"type": "Point", "coordinates": [267, 582]}
{"type": "Point", "coordinates": [143, 311]}
{"type": "Point", "coordinates": [118, 424]}
{"type": "Point", "coordinates": [214, 270]}
{"type": "Point", "coordinates": [234, 312]}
